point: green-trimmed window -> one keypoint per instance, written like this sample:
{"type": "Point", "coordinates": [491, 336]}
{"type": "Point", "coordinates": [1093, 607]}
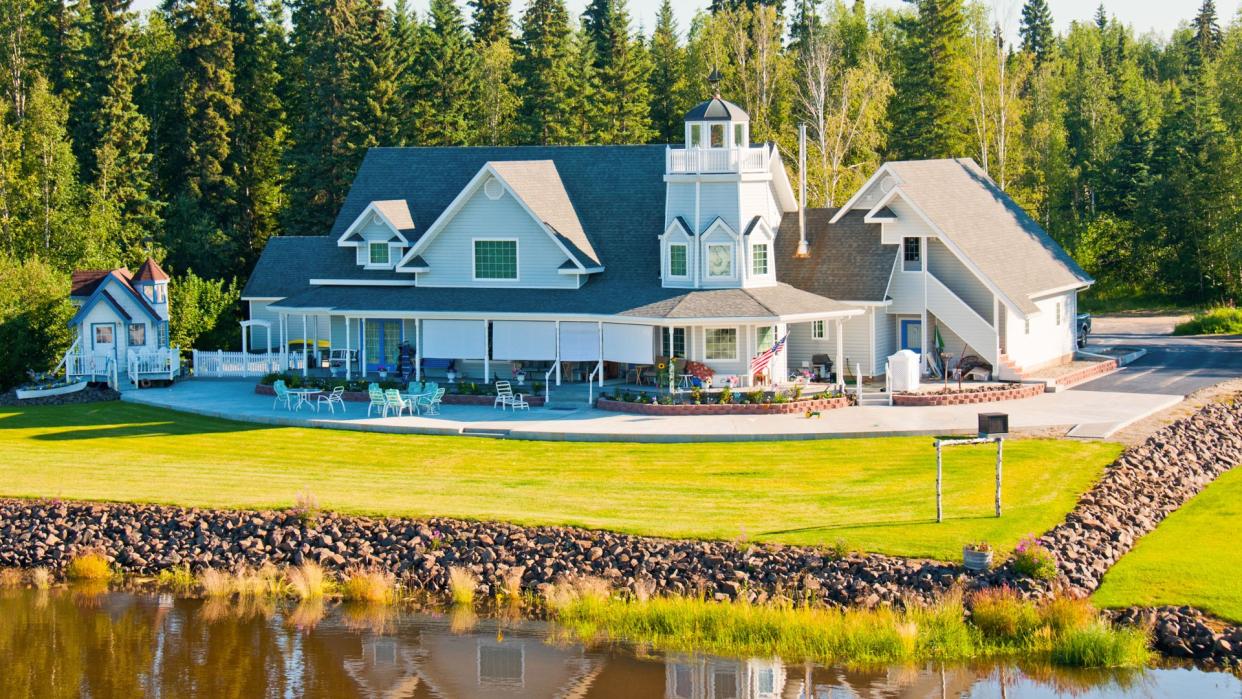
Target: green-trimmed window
{"type": "Point", "coordinates": [759, 260]}
{"type": "Point", "coordinates": [495, 259]}
{"type": "Point", "coordinates": [677, 260]}
{"type": "Point", "coordinates": [378, 253]}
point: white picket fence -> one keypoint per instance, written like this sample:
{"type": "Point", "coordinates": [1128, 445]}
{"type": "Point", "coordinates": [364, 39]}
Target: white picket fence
{"type": "Point", "coordinates": [221, 364]}
{"type": "Point", "coordinates": [161, 363]}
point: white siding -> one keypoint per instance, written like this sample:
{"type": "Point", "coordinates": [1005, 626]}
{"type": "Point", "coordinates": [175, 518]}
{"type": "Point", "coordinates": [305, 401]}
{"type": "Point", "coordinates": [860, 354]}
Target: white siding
{"type": "Point", "coordinates": [756, 200]}
{"type": "Point", "coordinates": [451, 254]}
{"type": "Point", "coordinates": [905, 288]}
{"type": "Point", "coordinates": [885, 339]}
{"type": "Point", "coordinates": [1046, 342]}
{"type": "Point", "coordinates": [718, 199]}
{"type": "Point", "coordinates": [945, 266]}
{"type": "Point", "coordinates": [908, 223]}
{"type": "Point", "coordinates": [857, 342]}
{"type": "Point", "coordinates": [680, 202]}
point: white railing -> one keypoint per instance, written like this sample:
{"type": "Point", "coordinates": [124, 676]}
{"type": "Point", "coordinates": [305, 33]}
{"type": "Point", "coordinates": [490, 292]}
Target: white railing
{"type": "Point", "coordinates": [599, 369]}
{"type": "Point", "coordinates": [73, 349]}
{"type": "Point", "coordinates": [709, 160]}
{"type": "Point", "coordinates": [961, 319]}
{"type": "Point", "coordinates": [164, 362]}
{"type": "Point", "coordinates": [90, 364]}
{"type": "Point", "coordinates": [858, 382]}
{"type": "Point", "coordinates": [547, 383]}
{"type": "Point", "coordinates": [888, 381]}
{"type": "Point", "coordinates": [221, 364]}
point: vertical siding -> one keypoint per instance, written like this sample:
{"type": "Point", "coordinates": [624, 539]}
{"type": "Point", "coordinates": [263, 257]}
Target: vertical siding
{"type": "Point", "coordinates": [951, 271]}
{"type": "Point", "coordinates": [451, 254]}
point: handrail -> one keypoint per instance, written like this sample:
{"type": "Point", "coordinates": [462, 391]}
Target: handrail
{"type": "Point", "coordinates": [858, 382]}
{"type": "Point", "coordinates": [599, 369]}
{"type": "Point", "coordinates": [547, 384]}
{"type": "Point", "coordinates": [76, 341]}
{"type": "Point", "coordinates": [888, 381]}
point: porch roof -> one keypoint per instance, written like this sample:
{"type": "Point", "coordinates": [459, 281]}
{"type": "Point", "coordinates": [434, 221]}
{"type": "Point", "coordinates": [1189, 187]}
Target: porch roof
{"type": "Point", "coordinates": [761, 303]}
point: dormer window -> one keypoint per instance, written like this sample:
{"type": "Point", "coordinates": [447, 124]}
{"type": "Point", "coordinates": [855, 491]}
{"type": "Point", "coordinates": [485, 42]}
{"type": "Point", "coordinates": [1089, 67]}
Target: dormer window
{"type": "Point", "coordinates": [378, 253]}
{"type": "Point", "coordinates": [718, 135]}
{"type": "Point", "coordinates": [696, 135]}
{"type": "Point", "coordinates": [719, 261]}
{"type": "Point", "coordinates": [759, 260]}
{"type": "Point", "coordinates": [677, 265]}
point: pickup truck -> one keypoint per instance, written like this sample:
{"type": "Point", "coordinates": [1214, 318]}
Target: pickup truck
{"type": "Point", "coordinates": [1084, 329]}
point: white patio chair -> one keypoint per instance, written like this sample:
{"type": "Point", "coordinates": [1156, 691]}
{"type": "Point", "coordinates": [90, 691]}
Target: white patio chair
{"type": "Point", "coordinates": [519, 402]}
{"type": "Point", "coordinates": [504, 395]}
{"type": "Point", "coordinates": [333, 399]}
{"type": "Point", "coordinates": [394, 401]}
{"type": "Point", "coordinates": [429, 404]}
{"type": "Point", "coordinates": [282, 395]}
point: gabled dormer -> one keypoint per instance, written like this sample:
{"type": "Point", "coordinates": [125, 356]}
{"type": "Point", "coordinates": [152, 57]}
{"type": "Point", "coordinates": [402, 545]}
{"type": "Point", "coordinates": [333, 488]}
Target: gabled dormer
{"type": "Point", "coordinates": [512, 225]}
{"type": "Point", "coordinates": [379, 234]}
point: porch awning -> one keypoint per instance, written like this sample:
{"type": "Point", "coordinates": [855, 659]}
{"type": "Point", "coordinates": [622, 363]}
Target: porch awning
{"type": "Point", "coordinates": [454, 339]}
{"type": "Point", "coordinates": [523, 340]}
{"type": "Point", "coordinates": [631, 344]}
{"type": "Point", "coordinates": [579, 342]}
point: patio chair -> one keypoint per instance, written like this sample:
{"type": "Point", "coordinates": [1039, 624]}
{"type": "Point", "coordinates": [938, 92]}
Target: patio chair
{"type": "Point", "coordinates": [333, 399]}
{"type": "Point", "coordinates": [430, 404]}
{"type": "Point", "coordinates": [377, 398]}
{"type": "Point", "coordinates": [504, 395]}
{"type": "Point", "coordinates": [394, 401]}
{"type": "Point", "coordinates": [282, 395]}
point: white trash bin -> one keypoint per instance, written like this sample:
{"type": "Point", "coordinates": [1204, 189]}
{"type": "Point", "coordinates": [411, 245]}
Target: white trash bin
{"type": "Point", "coordinates": [904, 366]}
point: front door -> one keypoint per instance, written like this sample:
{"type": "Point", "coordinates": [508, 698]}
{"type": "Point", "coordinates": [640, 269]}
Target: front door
{"type": "Point", "coordinates": [383, 338]}
{"type": "Point", "coordinates": [912, 335]}
{"type": "Point", "coordinates": [103, 345]}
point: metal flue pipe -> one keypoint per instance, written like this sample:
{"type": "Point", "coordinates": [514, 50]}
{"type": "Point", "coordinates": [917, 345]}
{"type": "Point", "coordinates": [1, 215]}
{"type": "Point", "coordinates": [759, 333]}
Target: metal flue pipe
{"type": "Point", "coordinates": [804, 250]}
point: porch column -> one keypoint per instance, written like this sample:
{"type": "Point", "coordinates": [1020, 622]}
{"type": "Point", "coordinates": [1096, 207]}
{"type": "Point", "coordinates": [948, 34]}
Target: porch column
{"type": "Point", "coordinates": [362, 345]}
{"type": "Point", "coordinates": [557, 365]}
{"type": "Point", "coordinates": [746, 355]}
{"type": "Point", "coordinates": [418, 350]}
{"type": "Point", "coordinates": [305, 358]}
{"type": "Point", "coordinates": [600, 366]}
{"type": "Point", "coordinates": [318, 363]}
{"type": "Point", "coordinates": [487, 353]}
{"type": "Point", "coordinates": [245, 332]}
{"type": "Point", "coordinates": [839, 363]}
{"type": "Point", "coordinates": [349, 363]}
{"type": "Point", "coordinates": [284, 341]}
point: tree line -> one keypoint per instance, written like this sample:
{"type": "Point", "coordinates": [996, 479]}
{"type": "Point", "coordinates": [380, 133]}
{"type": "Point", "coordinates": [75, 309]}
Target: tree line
{"type": "Point", "coordinates": [200, 129]}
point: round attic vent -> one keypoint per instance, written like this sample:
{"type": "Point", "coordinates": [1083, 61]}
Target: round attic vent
{"type": "Point", "coordinates": [887, 184]}
{"type": "Point", "coordinates": [493, 188]}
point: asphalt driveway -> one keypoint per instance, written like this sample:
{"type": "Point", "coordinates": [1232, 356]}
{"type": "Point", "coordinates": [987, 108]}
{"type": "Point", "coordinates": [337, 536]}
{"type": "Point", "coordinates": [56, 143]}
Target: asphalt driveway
{"type": "Point", "coordinates": [1173, 365]}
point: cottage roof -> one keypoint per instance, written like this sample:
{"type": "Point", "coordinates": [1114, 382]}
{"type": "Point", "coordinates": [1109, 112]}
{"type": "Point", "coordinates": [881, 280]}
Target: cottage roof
{"type": "Point", "coordinates": [150, 271]}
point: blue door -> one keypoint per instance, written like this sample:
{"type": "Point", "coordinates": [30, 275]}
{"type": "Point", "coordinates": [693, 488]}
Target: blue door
{"type": "Point", "coordinates": [912, 335]}
{"type": "Point", "coordinates": [383, 342]}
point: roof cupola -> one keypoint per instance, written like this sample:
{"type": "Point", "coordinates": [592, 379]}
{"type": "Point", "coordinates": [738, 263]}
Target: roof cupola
{"type": "Point", "coordinates": [717, 122]}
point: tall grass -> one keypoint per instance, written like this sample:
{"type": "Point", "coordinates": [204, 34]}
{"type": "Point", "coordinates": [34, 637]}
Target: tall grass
{"type": "Point", "coordinates": [917, 633]}
{"type": "Point", "coordinates": [462, 585]}
{"type": "Point", "coordinates": [41, 578]}
{"type": "Point", "coordinates": [216, 583]}
{"type": "Point", "coordinates": [369, 585]}
{"type": "Point", "coordinates": [308, 581]}
{"type": "Point", "coordinates": [88, 566]}
{"type": "Point", "coordinates": [1221, 320]}
{"type": "Point", "coordinates": [178, 579]}
{"type": "Point", "coordinates": [11, 578]}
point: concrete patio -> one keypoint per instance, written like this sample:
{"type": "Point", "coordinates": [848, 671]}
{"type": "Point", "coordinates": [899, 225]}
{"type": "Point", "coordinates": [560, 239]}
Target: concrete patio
{"type": "Point", "coordinates": [1096, 414]}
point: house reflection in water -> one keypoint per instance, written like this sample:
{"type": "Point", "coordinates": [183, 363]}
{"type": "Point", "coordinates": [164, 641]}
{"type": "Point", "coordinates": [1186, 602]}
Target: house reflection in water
{"type": "Point", "coordinates": [718, 678]}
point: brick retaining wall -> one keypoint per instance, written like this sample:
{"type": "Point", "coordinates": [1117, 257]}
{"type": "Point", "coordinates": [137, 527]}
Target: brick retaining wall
{"type": "Point", "coordinates": [794, 408]}
{"type": "Point", "coordinates": [1026, 390]}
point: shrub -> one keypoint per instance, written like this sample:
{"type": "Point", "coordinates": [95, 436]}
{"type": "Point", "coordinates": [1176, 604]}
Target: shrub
{"type": "Point", "coordinates": [755, 396]}
{"type": "Point", "coordinates": [511, 582]}
{"type": "Point", "coordinates": [1000, 613]}
{"type": "Point", "coordinates": [10, 578]}
{"type": "Point", "coordinates": [41, 577]}
{"type": "Point", "coordinates": [1099, 646]}
{"type": "Point", "coordinates": [88, 566]}
{"type": "Point", "coordinates": [1222, 320]}
{"type": "Point", "coordinates": [179, 579]}
{"type": "Point", "coordinates": [368, 585]}
{"type": "Point", "coordinates": [1063, 614]}
{"type": "Point", "coordinates": [462, 584]}
{"type": "Point", "coordinates": [307, 581]}
{"type": "Point", "coordinates": [726, 395]}
{"type": "Point", "coordinates": [1034, 560]}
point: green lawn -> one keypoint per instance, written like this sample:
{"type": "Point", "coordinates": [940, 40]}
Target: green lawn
{"type": "Point", "coordinates": [1191, 558]}
{"type": "Point", "coordinates": [874, 494]}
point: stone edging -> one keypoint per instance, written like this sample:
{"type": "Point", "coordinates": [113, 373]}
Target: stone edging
{"type": "Point", "coordinates": [1026, 390]}
{"type": "Point", "coordinates": [1086, 374]}
{"type": "Point", "coordinates": [449, 398]}
{"type": "Point", "coordinates": [794, 408]}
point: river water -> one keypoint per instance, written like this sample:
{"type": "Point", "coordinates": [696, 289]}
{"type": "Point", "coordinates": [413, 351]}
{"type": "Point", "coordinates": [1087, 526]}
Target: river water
{"type": "Point", "coordinates": [66, 643]}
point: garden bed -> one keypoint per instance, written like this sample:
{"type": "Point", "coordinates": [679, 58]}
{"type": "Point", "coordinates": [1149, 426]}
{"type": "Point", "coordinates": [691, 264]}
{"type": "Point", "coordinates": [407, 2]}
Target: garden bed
{"type": "Point", "coordinates": [449, 398]}
{"type": "Point", "coordinates": [796, 407]}
{"type": "Point", "coordinates": [983, 394]}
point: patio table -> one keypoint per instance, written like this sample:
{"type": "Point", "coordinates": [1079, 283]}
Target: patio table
{"type": "Point", "coordinates": [304, 396]}
{"type": "Point", "coordinates": [685, 381]}
{"type": "Point", "coordinates": [414, 398]}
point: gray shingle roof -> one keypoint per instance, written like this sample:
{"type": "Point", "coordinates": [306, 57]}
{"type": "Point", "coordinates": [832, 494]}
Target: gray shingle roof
{"type": "Point", "coordinates": [993, 231]}
{"type": "Point", "coordinates": [847, 260]}
{"type": "Point", "coordinates": [716, 109]}
{"type": "Point", "coordinates": [538, 183]}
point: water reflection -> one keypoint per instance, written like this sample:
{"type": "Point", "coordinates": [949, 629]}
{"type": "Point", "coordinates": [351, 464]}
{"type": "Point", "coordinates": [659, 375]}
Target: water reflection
{"type": "Point", "coordinates": [104, 645]}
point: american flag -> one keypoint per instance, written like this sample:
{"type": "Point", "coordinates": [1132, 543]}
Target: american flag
{"type": "Point", "coordinates": [761, 360]}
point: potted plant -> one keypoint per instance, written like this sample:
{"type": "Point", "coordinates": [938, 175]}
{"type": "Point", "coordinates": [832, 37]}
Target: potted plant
{"type": "Point", "coordinates": [382, 371]}
{"type": "Point", "coordinates": [977, 556]}
{"type": "Point", "coordinates": [452, 375]}
{"type": "Point", "coordinates": [519, 374]}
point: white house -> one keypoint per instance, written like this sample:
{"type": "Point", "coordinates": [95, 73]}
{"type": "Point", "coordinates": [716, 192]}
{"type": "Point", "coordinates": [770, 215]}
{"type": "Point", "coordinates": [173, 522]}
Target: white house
{"type": "Point", "coordinates": [574, 262]}
{"type": "Point", "coordinates": [121, 324]}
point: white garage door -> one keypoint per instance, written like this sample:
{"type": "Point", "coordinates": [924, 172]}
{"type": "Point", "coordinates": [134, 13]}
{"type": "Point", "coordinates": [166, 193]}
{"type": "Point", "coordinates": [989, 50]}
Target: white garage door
{"type": "Point", "coordinates": [454, 339]}
{"type": "Point", "coordinates": [579, 342]}
{"type": "Point", "coordinates": [631, 344]}
{"type": "Point", "coordinates": [521, 339]}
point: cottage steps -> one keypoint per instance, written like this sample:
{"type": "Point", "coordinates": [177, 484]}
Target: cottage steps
{"type": "Point", "coordinates": [873, 398]}
{"type": "Point", "coordinates": [1011, 369]}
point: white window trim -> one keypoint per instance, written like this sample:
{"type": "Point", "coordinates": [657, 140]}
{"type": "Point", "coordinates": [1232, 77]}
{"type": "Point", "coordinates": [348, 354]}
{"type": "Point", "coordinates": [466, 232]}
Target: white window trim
{"type": "Point", "coordinates": [901, 255]}
{"type": "Point", "coordinates": [737, 337]}
{"type": "Point", "coordinates": [669, 271]}
{"type": "Point", "coordinates": [767, 260]}
{"type": "Point", "coordinates": [707, 261]}
{"type": "Point", "coordinates": [517, 260]}
{"type": "Point", "coordinates": [95, 333]}
{"type": "Point", "coordinates": [379, 265]}
{"type": "Point", "coordinates": [819, 330]}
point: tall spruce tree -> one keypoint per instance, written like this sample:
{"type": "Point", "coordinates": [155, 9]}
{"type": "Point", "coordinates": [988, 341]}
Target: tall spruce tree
{"type": "Point", "coordinates": [668, 78]}
{"type": "Point", "coordinates": [545, 60]}
{"type": "Point", "coordinates": [624, 99]}
{"type": "Point", "coordinates": [595, 22]}
{"type": "Point", "coordinates": [490, 21]}
{"type": "Point", "coordinates": [406, 38]}
{"type": "Point", "coordinates": [583, 103]}
{"type": "Point", "coordinates": [448, 86]}
{"type": "Point", "coordinates": [929, 107]}
{"type": "Point", "coordinates": [1207, 35]}
{"type": "Point", "coordinates": [378, 111]}
{"type": "Point", "coordinates": [1036, 30]}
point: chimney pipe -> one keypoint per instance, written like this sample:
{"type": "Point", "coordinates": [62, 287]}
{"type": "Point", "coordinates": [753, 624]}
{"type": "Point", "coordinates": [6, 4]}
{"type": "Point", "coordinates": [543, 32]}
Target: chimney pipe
{"type": "Point", "coordinates": [804, 251]}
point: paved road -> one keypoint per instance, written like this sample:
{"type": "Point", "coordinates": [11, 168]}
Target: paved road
{"type": "Point", "coordinates": [1173, 365]}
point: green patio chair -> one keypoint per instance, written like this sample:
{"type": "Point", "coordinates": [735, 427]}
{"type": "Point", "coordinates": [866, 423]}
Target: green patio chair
{"type": "Point", "coordinates": [377, 399]}
{"type": "Point", "coordinates": [282, 395]}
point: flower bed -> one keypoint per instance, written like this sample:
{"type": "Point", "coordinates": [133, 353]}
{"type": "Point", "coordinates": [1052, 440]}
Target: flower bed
{"type": "Point", "coordinates": [983, 394]}
{"type": "Point", "coordinates": [796, 407]}
{"type": "Point", "coordinates": [449, 398]}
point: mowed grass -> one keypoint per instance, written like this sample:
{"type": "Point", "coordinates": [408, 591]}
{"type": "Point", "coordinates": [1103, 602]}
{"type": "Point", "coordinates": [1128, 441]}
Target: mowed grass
{"type": "Point", "coordinates": [1193, 557]}
{"type": "Point", "coordinates": [872, 494]}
